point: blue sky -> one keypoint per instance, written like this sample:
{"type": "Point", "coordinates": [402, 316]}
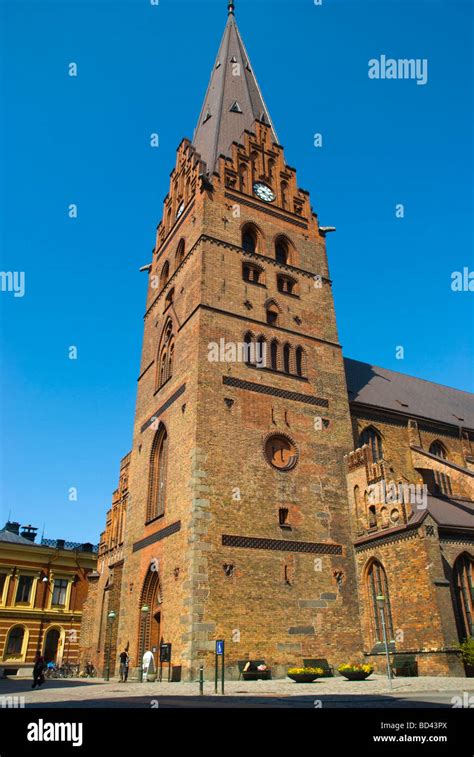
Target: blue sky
{"type": "Point", "coordinates": [85, 140]}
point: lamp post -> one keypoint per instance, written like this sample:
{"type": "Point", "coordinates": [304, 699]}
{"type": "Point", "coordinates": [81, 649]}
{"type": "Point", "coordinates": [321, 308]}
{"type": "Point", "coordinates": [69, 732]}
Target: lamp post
{"type": "Point", "coordinates": [380, 599]}
{"type": "Point", "coordinates": [144, 612]}
{"type": "Point", "coordinates": [110, 617]}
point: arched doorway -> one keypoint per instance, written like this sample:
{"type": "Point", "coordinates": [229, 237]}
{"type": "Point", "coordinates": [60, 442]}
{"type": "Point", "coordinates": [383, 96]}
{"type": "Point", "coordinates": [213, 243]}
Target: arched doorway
{"type": "Point", "coordinates": [51, 645]}
{"type": "Point", "coordinates": [150, 616]}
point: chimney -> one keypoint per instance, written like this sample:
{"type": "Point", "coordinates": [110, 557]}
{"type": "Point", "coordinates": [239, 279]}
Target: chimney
{"type": "Point", "coordinates": [13, 527]}
{"type": "Point", "coordinates": [28, 532]}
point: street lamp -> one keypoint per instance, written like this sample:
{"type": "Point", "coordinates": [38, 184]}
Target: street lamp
{"type": "Point", "coordinates": [380, 599]}
{"type": "Point", "coordinates": [110, 617]}
{"type": "Point", "coordinates": [144, 611]}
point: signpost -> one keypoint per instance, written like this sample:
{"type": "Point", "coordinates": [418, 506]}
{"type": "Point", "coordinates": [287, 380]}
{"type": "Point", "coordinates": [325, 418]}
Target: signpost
{"type": "Point", "coordinates": [220, 652]}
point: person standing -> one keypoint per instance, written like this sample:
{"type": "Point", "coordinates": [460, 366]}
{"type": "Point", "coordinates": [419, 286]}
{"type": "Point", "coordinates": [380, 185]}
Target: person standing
{"type": "Point", "coordinates": [38, 671]}
{"type": "Point", "coordinates": [124, 660]}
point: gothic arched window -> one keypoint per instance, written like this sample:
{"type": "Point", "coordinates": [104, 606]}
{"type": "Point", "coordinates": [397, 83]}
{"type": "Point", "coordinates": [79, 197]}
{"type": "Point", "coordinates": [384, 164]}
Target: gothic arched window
{"type": "Point", "coordinates": [443, 481]}
{"type": "Point", "coordinates": [274, 355]}
{"type": "Point", "coordinates": [463, 591]}
{"type": "Point", "coordinates": [372, 437]}
{"type": "Point", "coordinates": [165, 274]}
{"type": "Point", "coordinates": [166, 355]}
{"type": "Point", "coordinates": [377, 586]}
{"type": "Point", "coordinates": [157, 475]}
{"type": "Point", "coordinates": [281, 251]}
{"type": "Point", "coordinates": [179, 253]}
{"type": "Point", "coordinates": [299, 361]}
{"type": "Point", "coordinates": [249, 238]}
{"type": "Point", "coordinates": [242, 177]}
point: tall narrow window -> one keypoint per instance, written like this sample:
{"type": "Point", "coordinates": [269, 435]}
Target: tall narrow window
{"type": "Point", "coordinates": [284, 194]}
{"type": "Point", "coordinates": [249, 239]}
{"type": "Point", "coordinates": [443, 481]}
{"type": "Point", "coordinates": [281, 251]}
{"type": "Point", "coordinates": [274, 355]}
{"type": "Point", "coordinates": [286, 358]}
{"type": "Point", "coordinates": [164, 275]}
{"type": "Point", "coordinates": [372, 437]}
{"type": "Point", "coordinates": [463, 590]}
{"type": "Point", "coordinates": [180, 253]}
{"type": "Point", "coordinates": [299, 361]}
{"type": "Point", "coordinates": [23, 592]}
{"type": "Point", "coordinates": [59, 592]}
{"type": "Point", "coordinates": [158, 473]}
{"type": "Point", "coordinates": [166, 355]}
{"type": "Point", "coordinates": [15, 640]}
{"type": "Point", "coordinates": [378, 587]}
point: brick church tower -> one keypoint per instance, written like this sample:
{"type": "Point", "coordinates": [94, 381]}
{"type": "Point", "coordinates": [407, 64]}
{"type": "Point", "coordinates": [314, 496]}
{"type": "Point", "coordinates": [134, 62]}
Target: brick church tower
{"type": "Point", "coordinates": [237, 516]}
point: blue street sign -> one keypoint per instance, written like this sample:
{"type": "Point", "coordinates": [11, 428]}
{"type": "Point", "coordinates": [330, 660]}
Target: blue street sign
{"type": "Point", "coordinates": [220, 647]}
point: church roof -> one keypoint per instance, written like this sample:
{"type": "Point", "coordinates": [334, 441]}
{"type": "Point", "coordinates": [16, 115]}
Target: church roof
{"type": "Point", "coordinates": [370, 385]}
{"type": "Point", "coordinates": [233, 99]}
{"type": "Point", "coordinates": [11, 538]}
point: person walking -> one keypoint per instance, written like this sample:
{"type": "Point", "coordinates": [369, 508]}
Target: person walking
{"type": "Point", "coordinates": [124, 660]}
{"type": "Point", "coordinates": [38, 671]}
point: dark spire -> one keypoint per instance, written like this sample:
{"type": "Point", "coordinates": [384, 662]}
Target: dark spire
{"type": "Point", "coordinates": [233, 99]}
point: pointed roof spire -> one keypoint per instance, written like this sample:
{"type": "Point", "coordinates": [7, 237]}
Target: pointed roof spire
{"type": "Point", "coordinates": [233, 99]}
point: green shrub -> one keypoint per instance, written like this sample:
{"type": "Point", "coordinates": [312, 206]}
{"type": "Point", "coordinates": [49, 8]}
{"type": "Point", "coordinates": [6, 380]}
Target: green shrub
{"type": "Point", "coordinates": [466, 650]}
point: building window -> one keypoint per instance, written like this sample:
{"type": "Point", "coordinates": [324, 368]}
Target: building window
{"type": "Point", "coordinates": [272, 314]}
{"type": "Point", "coordinates": [286, 358]}
{"type": "Point", "coordinates": [164, 275]}
{"type": "Point", "coordinates": [463, 589]}
{"type": "Point", "coordinates": [283, 514]}
{"type": "Point", "coordinates": [3, 581]}
{"type": "Point", "coordinates": [281, 451]}
{"type": "Point", "coordinates": [180, 253]}
{"type": "Point", "coordinates": [251, 273]}
{"type": "Point", "coordinates": [274, 355]}
{"type": "Point", "coordinates": [439, 450]}
{"type": "Point", "coordinates": [286, 284]}
{"type": "Point", "coordinates": [299, 361]}
{"type": "Point", "coordinates": [23, 592]}
{"type": "Point", "coordinates": [284, 194]}
{"type": "Point", "coordinates": [169, 298]}
{"type": "Point", "coordinates": [166, 355]}
{"type": "Point", "coordinates": [281, 252]}
{"type": "Point", "coordinates": [372, 516]}
{"type": "Point", "coordinates": [158, 474]}
{"type": "Point", "coordinates": [59, 592]}
{"type": "Point", "coordinates": [378, 586]}
{"type": "Point", "coordinates": [248, 341]}
{"type": "Point", "coordinates": [249, 238]}
{"type": "Point", "coordinates": [372, 437]}
{"type": "Point", "coordinates": [15, 641]}
{"type": "Point", "coordinates": [442, 480]}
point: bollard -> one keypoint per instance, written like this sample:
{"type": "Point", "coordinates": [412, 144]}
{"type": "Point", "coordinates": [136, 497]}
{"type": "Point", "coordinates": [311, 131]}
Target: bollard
{"type": "Point", "coordinates": [201, 680]}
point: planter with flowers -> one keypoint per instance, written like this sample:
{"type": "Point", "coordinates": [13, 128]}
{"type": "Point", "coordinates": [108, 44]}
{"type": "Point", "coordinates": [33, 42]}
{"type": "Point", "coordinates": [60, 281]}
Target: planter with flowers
{"type": "Point", "coordinates": [355, 672]}
{"type": "Point", "coordinates": [304, 675]}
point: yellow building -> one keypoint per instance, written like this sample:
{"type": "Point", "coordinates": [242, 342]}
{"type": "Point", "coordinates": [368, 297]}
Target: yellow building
{"type": "Point", "coordinates": [43, 587]}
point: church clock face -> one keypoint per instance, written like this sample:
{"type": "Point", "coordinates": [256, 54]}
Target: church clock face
{"type": "Point", "coordinates": [263, 192]}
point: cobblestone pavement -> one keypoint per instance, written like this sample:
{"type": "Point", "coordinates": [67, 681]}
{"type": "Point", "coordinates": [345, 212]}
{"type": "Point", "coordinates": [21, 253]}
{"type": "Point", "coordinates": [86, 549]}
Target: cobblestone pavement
{"type": "Point", "coordinates": [426, 691]}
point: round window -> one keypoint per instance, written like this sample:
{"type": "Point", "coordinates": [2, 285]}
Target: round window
{"type": "Point", "coordinates": [281, 452]}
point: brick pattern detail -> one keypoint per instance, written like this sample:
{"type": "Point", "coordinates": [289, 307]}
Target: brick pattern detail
{"type": "Point", "coordinates": [157, 536]}
{"type": "Point", "coordinates": [264, 389]}
{"type": "Point", "coordinates": [252, 542]}
{"type": "Point", "coordinates": [164, 407]}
